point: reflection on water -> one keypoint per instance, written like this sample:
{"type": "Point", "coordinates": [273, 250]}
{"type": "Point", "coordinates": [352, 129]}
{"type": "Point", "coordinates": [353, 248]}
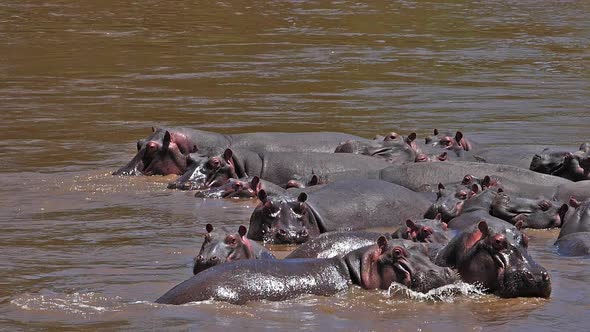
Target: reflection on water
{"type": "Point", "coordinates": [80, 82]}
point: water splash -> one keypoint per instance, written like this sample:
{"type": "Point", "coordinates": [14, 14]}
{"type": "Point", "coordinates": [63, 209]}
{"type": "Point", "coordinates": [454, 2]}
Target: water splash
{"type": "Point", "coordinates": [447, 293]}
{"type": "Point", "coordinates": [84, 304]}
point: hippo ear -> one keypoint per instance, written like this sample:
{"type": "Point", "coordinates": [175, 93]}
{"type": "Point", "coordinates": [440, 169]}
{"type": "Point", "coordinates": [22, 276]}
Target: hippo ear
{"type": "Point", "coordinates": [486, 181]}
{"type": "Point", "coordinates": [255, 184]}
{"type": "Point", "coordinates": [262, 196]}
{"type": "Point", "coordinates": [411, 138]}
{"type": "Point", "coordinates": [302, 198]}
{"type": "Point", "coordinates": [441, 186]}
{"type": "Point", "coordinates": [500, 190]}
{"type": "Point", "coordinates": [438, 217]}
{"type": "Point", "coordinates": [167, 140]}
{"type": "Point", "coordinates": [458, 136]}
{"type": "Point", "coordinates": [382, 243]}
{"type": "Point", "coordinates": [562, 211]}
{"type": "Point", "coordinates": [574, 202]}
{"type": "Point", "coordinates": [154, 129]}
{"type": "Point", "coordinates": [242, 230]}
{"type": "Point", "coordinates": [410, 224]}
{"type": "Point", "coordinates": [435, 132]}
{"type": "Point", "coordinates": [209, 228]}
{"type": "Point", "coordinates": [442, 157]}
{"type": "Point", "coordinates": [475, 188]}
{"type": "Point", "coordinates": [228, 155]}
{"type": "Point", "coordinates": [484, 228]}
{"type": "Point", "coordinates": [315, 180]}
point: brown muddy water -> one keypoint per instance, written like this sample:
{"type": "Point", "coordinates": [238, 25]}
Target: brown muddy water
{"type": "Point", "coordinates": [81, 81]}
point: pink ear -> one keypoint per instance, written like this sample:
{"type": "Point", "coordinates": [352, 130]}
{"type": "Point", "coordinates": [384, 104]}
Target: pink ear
{"type": "Point", "coordinates": [227, 155]}
{"type": "Point", "coordinates": [410, 224]}
{"type": "Point", "coordinates": [382, 243]}
{"type": "Point", "coordinates": [167, 140]}
{"type": "Point", "coordinates": [209, 228]}
{"type": "Point", "coordinates": [255, 184]}
{"type": "Point", "coordinates": [484, 228]}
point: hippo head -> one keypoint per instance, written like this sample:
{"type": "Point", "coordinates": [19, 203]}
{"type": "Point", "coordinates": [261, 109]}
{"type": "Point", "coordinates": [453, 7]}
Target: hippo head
{"type": "Point", "coordinates": [547, 161]}
{"type": "Point", "coordinates": [502, 266]}
{"type": "Point", "coordinates": [233, 188]}
{"type": "Point", "coordinates": [378, 266]}
{"type": "Point", "coordinates": [212, 172]}
{"type": "Point", "coordinates": [429, 231]}
{"type": "Point", "coordinates": [457, 143]}
{"type": "Point", "coordinates": [221, 247]}
{"type": "Point", "coordinates": [532, 213]}
{"type": "Point", "coordinates": [282, 221]}
{"type": "Point", "coordinates": [163, 153]}
{"type": "Point", "coordinates": [423, 157]}
{"type": "Point", "coordinates": [574, 167]}
{"type": "Point", "coordinates": [313, 181]}
{"type": "Point", "coordinates": [484, 183]}
{"type": "Point", "coordinates": [449, 203]}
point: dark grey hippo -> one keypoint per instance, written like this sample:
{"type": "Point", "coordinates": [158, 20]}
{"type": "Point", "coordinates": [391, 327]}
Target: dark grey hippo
{"type": "Point", "coordinates": [277, 167]}
{"type": "Point", "coordinates": [574, 238]}
{"type": "Point", "coordinates": [166, 150]}
{"type": "Point", "coordinates": [533, 213]}
{"type": "Point", "coordinates": [574, 166]}
{"type": "Point", "coordinates": [221, 247]}
{"type": "Point", "coordinates": [343, 205]}
{"type": "Point", "coordinates": [372, 267]}
{"type": "Point", "coordinates": [488, 257]}
{"type": "Point", "coordinates": [579, 190]}
{"type": "Point", "coordinates": [514, 180]}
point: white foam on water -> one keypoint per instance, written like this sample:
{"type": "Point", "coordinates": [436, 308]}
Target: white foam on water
{"type": "Point", "coordinates": [85, 304]}
{"type": "Point", "coordinates": [447, 293]}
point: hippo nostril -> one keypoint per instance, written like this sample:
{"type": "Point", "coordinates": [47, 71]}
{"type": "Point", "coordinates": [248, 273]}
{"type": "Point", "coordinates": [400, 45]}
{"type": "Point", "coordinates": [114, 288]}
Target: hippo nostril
{"type": "Point", "coordinates": [282, 232]}
{"type": "Point", "coordinates": [529, 275]}
{"type": "Point", "coordinates": [214, 258]}
{"type": "Point", "coordinates": [200, 258]}
{"type": "Point", "coordinates": [303, 233]}
{"type": "Point", "coordinates": [545, 276]}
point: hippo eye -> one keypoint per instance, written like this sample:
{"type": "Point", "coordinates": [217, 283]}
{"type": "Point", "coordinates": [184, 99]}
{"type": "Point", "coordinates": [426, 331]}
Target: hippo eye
{"type": "Point", "coordinates": [398, 252]}
{"type": "Point", "coordinates": [500, 242]}
{"type": "Point", "coordinates": [231, 240]}
{"type": "Point", "coordinates": [462, 195]}
{"type": "Point", "coordinates": [467, 179]}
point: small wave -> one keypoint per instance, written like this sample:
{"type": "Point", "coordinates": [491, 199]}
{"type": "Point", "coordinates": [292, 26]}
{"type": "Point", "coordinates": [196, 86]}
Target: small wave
{"type": "Point", "coordinates": [447, 293]}
{"type": "Point", "coordinates": [85, 304]}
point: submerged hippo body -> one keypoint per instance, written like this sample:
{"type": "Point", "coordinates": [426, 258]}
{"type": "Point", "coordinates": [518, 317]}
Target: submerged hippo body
{"type": "Point", "coordinates": [370, 267]}
{"type": "Point", "coordinates": [278, 167]}
{"type": "Point", "coordinates": [343, 205]}
{"type": "Point", "coordinates": [166, 150]}
{"type": "Point", "coordinates": [221, 247]}
{"type": "Point", "coordinates": [516, 180]}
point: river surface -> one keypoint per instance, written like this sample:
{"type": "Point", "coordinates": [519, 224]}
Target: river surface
{"type": "Point", "coordinates": [81, 81]}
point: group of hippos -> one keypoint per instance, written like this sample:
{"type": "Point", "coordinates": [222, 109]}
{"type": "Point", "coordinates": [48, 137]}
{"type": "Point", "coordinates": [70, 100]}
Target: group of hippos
{"type": "Point", "coordinates": [460, 211]}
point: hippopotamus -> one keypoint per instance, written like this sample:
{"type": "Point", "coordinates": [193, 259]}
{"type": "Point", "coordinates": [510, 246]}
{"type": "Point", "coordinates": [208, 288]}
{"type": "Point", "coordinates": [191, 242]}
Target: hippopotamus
{"type": "Point", "coordinates": [423, 176]}
{"type": "Point", "coordinates": [533, 213]}
{"type": "Point", "coordinates": [485, 256]}
{"type": "Point", "coordinates": [574, 238]}
{"type": "Point", "coordinates": [343, 205]}
{"type": "Point", "coordinates": [221, 247]}
{"type": "Point", "coordinates": [580, 190]}
{"type": "Point", "coordinates": [574, 167]}
{"type": "Point", "coordinates": [392, 148]}
{"type": "Point", "coordinates": [448, 141]}
{"type": "Point", "coordinates": [168, 150]}
{"type": "Point", "coordinates": [372, 267]}
{"type": "Point", "coordinates": [426, 235]}
{"type": "Point", "coordinates": [277, 167]}
{"type": "Point", "coordinates": [449, 202]}
{"type": "Point", "coordinates": [247, 187]}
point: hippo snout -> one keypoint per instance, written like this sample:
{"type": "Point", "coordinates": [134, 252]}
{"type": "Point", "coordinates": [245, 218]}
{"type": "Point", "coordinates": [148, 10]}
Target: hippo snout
{"type": "Point", "coordinates": [291, 236]}
{"type": "Point", "coordinates": [201, 263]}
